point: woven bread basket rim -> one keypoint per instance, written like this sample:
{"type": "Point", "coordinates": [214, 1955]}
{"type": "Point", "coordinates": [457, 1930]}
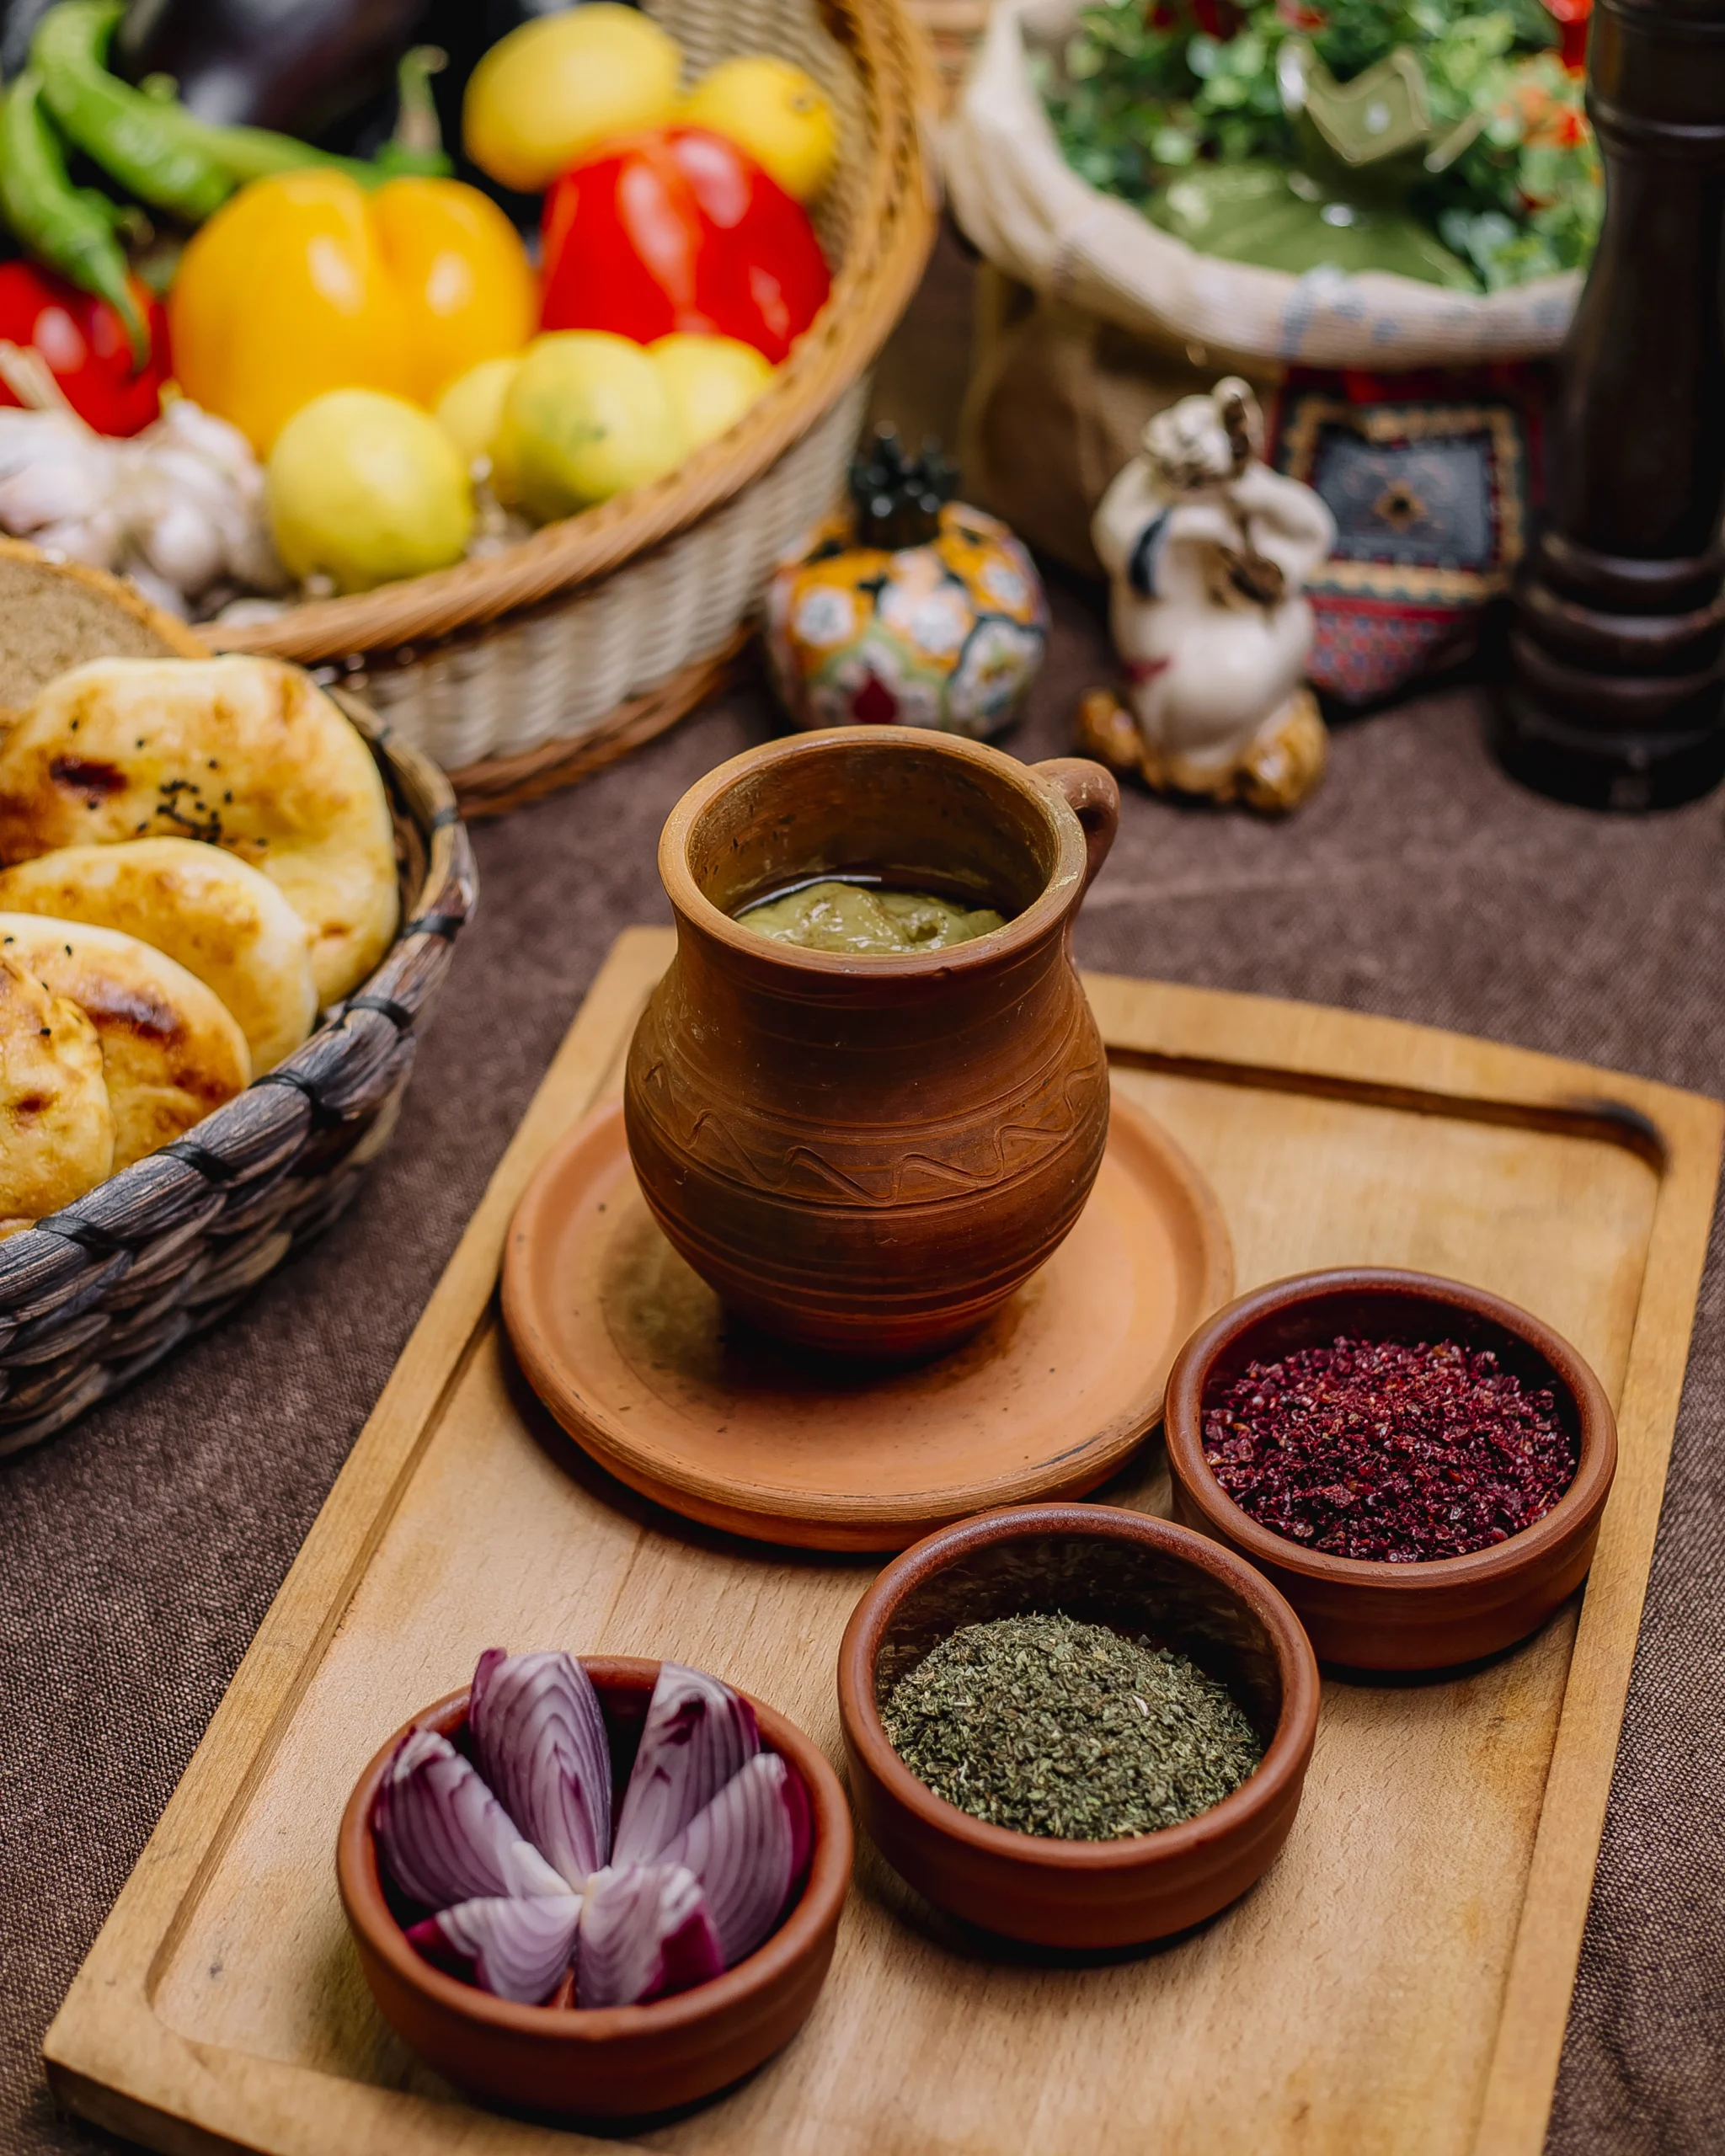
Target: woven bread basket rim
{"type": "Point", "coordinates": [893, 231]}
{"type": "Point", "coordinates": [399, 988]}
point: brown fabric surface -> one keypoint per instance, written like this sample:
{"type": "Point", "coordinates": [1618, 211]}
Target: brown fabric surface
{"type": "Point", "coordinates": [141, 1547]}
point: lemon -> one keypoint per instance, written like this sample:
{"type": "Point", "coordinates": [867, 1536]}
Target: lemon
{"type": "Point", "coordinates": [470, 411]}
{"type": "Point", "coordinates": [558, 84]}
{"type": "Point", "coordinates": [777, 113]}
{"type": "Point", "coordinates": [587, 415]}
{"type": "Point", "coordinates": [364, 488]}
{"type": "Point", "coordinates": [713, 380]}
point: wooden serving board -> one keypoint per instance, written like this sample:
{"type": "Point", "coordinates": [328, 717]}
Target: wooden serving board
{"type": "Point", "coordinates": [1398, 1984]}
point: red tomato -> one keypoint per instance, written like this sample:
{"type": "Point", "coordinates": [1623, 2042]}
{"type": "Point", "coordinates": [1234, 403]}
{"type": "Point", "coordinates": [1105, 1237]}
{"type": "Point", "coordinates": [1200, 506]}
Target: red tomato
{"type": "Point", "coordinates": [678, 229]}
{"type": "Point", "coordinates": [1572, 17]}
{"type": "Point", "coordinates": [84, 346]}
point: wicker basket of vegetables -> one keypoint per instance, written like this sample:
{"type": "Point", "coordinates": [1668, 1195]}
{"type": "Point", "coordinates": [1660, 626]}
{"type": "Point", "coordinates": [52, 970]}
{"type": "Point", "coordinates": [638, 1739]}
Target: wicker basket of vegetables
{"type": "Point", "coordinates": [527, 510]}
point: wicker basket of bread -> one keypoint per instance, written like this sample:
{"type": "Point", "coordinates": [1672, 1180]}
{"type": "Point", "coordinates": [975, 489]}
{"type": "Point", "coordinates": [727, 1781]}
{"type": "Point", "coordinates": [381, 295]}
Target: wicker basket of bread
{"type": "Point", "coordinates": [527, 668]}
{"type": "Point", "coordinates": [226, 901]}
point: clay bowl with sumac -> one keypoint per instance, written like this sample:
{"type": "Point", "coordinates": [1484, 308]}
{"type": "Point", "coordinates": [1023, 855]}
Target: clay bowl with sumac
{"type": "Point", "coordinates": [1377, 1615]}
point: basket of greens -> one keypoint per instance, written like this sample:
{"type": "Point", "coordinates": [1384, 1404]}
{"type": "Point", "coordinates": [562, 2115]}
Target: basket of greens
{"type": "Point", "coordinates": [1401, 183]}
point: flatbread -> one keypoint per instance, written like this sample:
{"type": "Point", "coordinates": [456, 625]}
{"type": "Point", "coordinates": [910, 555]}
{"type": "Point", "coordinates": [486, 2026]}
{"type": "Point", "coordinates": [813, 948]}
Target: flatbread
{"type": "Point", "coordinates": [56, 1128]}
{"type": "Point", "coordinates": [220, 918]}
{"type": "Point", "coordinates": [170, 1050]}
{"type": "Point", "coordinates": [243, 753]}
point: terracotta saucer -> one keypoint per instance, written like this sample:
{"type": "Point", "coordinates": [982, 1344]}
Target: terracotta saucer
{"type": "Point", "coordinates": [636, 1358]}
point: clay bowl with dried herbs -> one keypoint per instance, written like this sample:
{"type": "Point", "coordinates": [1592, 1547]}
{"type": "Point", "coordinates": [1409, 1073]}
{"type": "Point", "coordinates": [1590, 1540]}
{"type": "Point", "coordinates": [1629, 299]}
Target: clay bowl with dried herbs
{"type": "Point", "coordinates": [1454, 1462]}
{"type": "Point", "coordinates": [606, 2061]}
{"type": "Point", "coordinates": [1140, 1578]}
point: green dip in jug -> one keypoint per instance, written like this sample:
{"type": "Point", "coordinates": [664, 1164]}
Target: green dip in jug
{"type": "Point", "coordinates": [866, 921]}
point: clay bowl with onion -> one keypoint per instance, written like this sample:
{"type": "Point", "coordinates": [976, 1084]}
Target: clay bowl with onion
{"type": "Point", "coordinates": [1370, 1616]}
{"type": "Point", "coordinates": [1138, 1576]}
{"type": "Point", "coordinates": [609, 2063]}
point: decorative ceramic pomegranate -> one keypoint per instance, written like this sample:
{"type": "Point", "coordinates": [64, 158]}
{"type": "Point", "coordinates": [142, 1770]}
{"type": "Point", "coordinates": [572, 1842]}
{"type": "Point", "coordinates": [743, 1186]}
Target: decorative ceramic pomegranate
{"type": "Point", "coordinates": [908, 609]}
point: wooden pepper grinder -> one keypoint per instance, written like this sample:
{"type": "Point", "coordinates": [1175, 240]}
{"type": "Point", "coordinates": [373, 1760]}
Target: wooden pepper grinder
{"type": "Point", "coordinates": [1615, 696]}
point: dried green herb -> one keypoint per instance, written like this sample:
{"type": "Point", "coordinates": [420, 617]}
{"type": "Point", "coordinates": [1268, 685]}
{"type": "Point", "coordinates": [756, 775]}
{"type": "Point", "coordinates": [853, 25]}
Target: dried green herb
{"type": "Point", "coordinates": [1052, 1727]}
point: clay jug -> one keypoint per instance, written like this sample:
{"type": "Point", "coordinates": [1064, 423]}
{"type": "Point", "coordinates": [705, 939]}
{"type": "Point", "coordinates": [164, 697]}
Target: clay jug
{"type": "Point", "coordinates": [869, 1155]}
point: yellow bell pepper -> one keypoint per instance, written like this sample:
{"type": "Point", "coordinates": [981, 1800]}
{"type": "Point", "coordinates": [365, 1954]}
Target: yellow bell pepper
{"type": "Point", "coordinates": [305, 282]}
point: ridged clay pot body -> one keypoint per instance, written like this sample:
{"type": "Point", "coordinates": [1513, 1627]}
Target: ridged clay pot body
{"type": "Point", "coordinates": [869, 1155]}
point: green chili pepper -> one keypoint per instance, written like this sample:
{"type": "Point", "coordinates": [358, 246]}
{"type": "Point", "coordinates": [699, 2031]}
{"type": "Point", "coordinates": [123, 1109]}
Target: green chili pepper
{"type": "Point", "coordinates": [246, 154]}
{"type": "Point", "coordinates": [132, 136]}
{"type": "Point", "coordinates": [154, 145]}
{"type": "Point", "coordinates": [70, 228]}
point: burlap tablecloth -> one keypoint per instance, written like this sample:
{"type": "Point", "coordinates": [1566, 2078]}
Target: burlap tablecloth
{"type": "Point", "coordinates": [141, 1548]}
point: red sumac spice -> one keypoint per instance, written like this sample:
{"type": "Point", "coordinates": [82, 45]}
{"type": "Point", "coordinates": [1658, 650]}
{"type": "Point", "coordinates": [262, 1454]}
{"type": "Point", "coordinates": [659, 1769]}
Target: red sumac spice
{"type": "Point", "coordinates": [1391, 1451]}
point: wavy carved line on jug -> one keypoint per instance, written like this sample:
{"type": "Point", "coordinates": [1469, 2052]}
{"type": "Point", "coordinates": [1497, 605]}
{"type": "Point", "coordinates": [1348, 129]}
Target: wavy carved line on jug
{"type": "Point", "coordinates": [1001, 1153]}
{"type": "Point", "coordinates": [684, 1087]}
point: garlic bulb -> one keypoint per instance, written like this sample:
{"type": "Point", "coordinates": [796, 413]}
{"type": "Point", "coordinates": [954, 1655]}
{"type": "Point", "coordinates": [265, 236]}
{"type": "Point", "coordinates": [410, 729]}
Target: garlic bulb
{"type": "Point", "coordinates": [216, 460]}
{"type": "Point", "coordinates": [179, 508]}
{"type": "Point", "coordinates": [57, 485]}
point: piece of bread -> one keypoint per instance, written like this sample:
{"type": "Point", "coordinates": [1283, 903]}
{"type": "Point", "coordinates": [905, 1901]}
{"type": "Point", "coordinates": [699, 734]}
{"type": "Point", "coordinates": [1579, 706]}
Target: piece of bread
{"type": "Point", "coordinates": [246, 754]}
{"type": "Point", "coordinates": [171, 1051]}
{"type": "Point", "coordinates": [57, 1127]}
{"type": "Point", "coordinates": [56, 614]}
{"type": "Point", "coordinates": [221, 919]}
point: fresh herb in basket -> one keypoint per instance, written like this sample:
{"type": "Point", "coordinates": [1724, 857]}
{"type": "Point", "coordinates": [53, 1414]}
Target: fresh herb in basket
{"type": "Point", "coordinates": [1444, 139]}
{"type": "Point", "coordinates": [1051, 1727]}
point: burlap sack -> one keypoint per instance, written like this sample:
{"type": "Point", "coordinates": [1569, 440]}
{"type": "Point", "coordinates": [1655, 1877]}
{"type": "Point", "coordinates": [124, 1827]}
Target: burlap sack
{"type": "Point", "coordinates": [1032, 216]}
{"type": "Point", "coordinates": [1056, 403]}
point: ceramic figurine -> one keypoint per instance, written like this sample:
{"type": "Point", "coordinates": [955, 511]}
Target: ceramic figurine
{"type": "Point", "coordinates": [1207, 550]}
{"type": "Point", "coordinates": [908, 609]}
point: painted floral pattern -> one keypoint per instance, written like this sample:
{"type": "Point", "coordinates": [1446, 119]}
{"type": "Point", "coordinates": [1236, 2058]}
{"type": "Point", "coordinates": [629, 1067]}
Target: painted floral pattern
{"type": "Point", "coordinates": [947, 635]}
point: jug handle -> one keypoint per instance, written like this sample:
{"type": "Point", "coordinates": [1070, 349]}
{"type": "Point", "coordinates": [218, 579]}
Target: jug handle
{"type": "Point", "coordinates": [1094, 799]}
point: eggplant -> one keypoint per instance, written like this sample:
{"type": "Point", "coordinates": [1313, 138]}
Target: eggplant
{"type": "Point", "coordinates": [300, 66]}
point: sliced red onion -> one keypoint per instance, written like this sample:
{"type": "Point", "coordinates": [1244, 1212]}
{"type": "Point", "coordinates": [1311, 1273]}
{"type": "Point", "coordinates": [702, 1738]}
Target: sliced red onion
{"type": "Point", "coordinates": [747, 1849]}
{"type": "Point", "coordinates": [540, 1739]}
{"type": "Point", "coordinates": [443, 1837]}
{"type": "Point", "coordinates": [698, 1734]}
{"type": "Point", "coordinates": [515, 1948]}
{"type": "Point", "coordinates": [645, 1932]}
